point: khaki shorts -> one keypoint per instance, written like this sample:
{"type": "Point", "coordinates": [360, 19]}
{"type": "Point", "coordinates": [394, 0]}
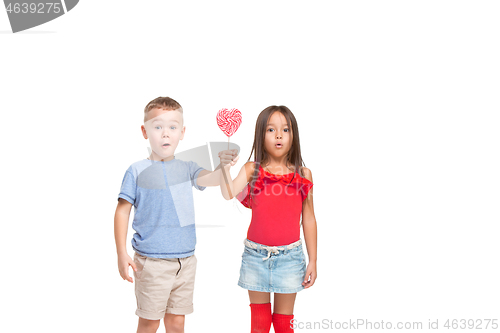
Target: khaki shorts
{"type": "Point", "coordinates": [164, 286]}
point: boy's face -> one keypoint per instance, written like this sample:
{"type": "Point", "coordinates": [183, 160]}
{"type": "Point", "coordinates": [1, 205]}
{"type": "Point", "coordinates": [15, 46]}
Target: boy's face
{"type": "Point", "coordinates": [164, 129]}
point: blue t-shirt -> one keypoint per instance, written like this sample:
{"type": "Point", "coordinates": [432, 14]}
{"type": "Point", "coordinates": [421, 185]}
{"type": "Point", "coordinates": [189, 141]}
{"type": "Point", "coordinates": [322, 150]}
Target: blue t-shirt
{"type": "Point", "coordinates": [163, 206]}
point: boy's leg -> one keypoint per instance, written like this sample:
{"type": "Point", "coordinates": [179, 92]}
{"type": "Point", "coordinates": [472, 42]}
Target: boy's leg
{"type": "Point", "coordinates": [180, 301]}
{"type": "Point", "coordinates": [147, 326]}
{"type": "Point", "coordinates": [154, 279]}
{"type": "Point", "coordinates": [174, 323]}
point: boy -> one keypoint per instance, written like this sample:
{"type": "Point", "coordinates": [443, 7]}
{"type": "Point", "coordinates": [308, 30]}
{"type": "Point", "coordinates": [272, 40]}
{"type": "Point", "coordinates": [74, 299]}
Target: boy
{"type": "Point", "coordinates": [159, 188]}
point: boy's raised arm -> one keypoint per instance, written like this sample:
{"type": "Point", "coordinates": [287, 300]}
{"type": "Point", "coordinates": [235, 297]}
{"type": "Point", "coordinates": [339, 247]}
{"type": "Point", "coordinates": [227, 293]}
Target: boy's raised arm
{"type": "Point", "coordinates": [212, 178]}
{"type": "Point", "coordinates": [208, 178]}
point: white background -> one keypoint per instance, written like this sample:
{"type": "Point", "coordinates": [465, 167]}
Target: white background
{"type": "Point", "coordinates": [398, 109]}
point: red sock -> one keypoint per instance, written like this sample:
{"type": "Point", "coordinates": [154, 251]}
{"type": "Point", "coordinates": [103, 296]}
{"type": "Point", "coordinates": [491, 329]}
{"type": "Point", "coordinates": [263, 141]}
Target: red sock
{"type": "Point", "coordinates": [261, 317]}
{"type": "Point", "coordinates": [282, 323]}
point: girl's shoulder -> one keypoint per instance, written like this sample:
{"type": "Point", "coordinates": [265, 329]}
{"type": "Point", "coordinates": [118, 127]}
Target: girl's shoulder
{"type": "Point", "coordinates": [249, 166]}
{"type": "Point", "coordinates": [249, 170]}
{"type": "Point", "coordinates": [306, 172]}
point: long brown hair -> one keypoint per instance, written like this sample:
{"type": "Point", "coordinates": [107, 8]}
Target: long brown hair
{"type": "Point", "coordinates": [293, 156]}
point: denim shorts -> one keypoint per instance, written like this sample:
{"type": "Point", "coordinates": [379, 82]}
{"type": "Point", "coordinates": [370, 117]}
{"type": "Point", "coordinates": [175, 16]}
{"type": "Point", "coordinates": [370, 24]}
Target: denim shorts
{"type": "Point", "coordinates": [278, 271]}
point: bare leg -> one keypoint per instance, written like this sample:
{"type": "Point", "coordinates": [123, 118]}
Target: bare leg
{"type": "Point", "coordinates": [260, 309]}
{"type": "Point", "coordinates": [147, 326]}
{"type": "Point", "coordinates": [283, 303]}
{"type": "Point", "coordinates": [174, 323]}
{"type": "Point", "coordinates": [258, 297]}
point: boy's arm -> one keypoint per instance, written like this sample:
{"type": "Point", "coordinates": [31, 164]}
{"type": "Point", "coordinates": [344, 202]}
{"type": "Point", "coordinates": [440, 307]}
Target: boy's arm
{"type": "Point", "coordinates": [209, 178]}
{"type": "Point", "coordinates": [122, 216]}
{"type": "Point", "coordinates": [212, 178]}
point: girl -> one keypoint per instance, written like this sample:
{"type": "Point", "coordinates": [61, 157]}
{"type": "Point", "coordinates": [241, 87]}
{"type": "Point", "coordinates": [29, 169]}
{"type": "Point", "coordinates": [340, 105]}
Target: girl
{"type": "Point", "coordinates": [279, 190]}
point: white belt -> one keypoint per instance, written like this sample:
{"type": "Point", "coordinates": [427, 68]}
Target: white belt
{"type": "Point", "coordinates": [272, 249]}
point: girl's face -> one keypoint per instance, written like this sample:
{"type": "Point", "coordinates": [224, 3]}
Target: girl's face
{"type": "Point", "coordinates": [278, 139]}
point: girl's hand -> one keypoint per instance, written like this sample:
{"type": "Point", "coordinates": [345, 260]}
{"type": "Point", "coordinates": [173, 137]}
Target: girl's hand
{"type": "Point", "coordinates": [124, 261]}
{"type": "Point", "coordinates": [310, 275]}
{"type": "Point", "coordinates": [228, 157]}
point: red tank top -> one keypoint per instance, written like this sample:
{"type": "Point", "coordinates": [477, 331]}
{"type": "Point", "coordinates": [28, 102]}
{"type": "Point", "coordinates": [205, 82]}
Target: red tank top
{"type": "Point", "coordinates": [276, 207]}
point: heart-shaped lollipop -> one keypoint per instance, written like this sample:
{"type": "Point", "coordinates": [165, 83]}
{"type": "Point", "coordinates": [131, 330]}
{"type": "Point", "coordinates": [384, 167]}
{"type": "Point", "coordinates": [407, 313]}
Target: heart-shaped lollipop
{"type": "Point", "coordinates": [229, 120]}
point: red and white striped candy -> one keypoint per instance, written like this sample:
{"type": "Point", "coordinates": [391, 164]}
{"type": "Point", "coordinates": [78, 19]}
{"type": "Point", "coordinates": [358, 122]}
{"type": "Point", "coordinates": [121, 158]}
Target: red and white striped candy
{"type": "Point", "coordinates": [229, 120]}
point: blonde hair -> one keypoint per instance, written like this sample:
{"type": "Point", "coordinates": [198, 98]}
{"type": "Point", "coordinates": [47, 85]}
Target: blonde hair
{"type": "Point", "coordinates": [165, 103]}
